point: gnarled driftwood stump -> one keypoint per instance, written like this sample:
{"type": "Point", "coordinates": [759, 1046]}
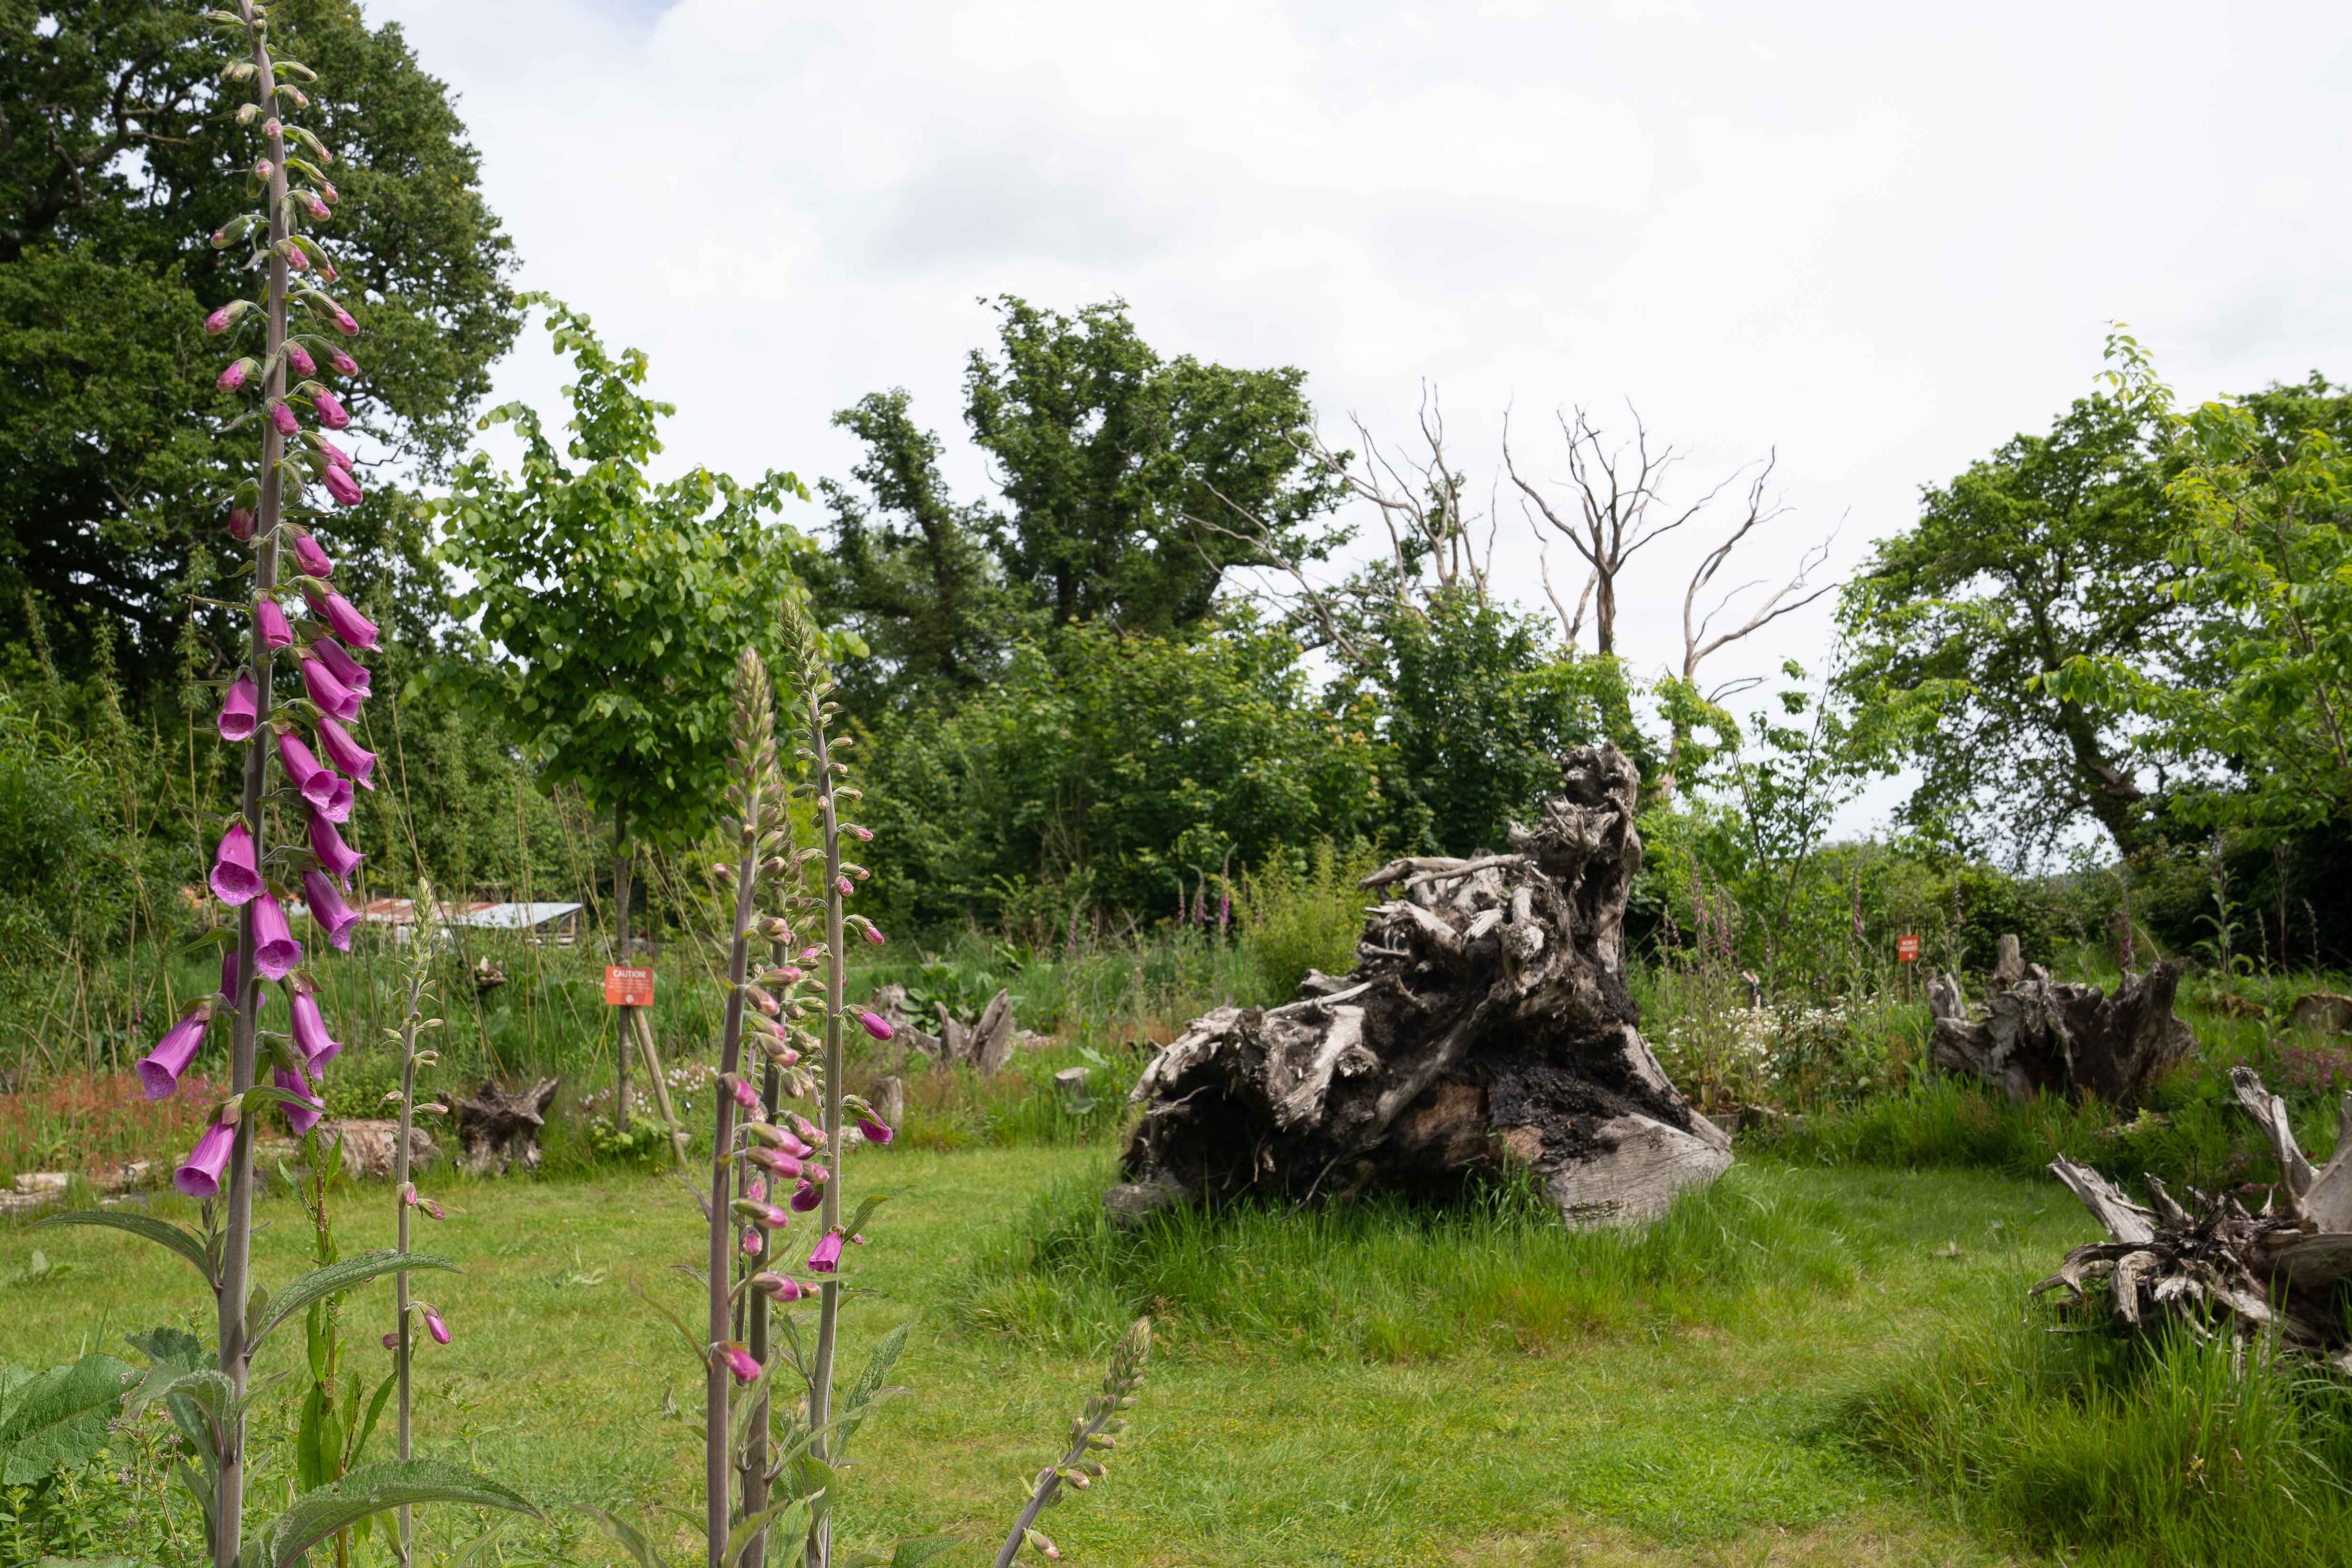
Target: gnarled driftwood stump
{"type": "Point", "coordinates": [1487, 1021]}
{"type": "Point", "coordinates": [2073, 1040]}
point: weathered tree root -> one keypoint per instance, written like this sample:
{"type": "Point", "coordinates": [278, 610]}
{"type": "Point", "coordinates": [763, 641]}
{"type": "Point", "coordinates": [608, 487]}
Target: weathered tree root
{"type": "Point", "coordinates": [1487, 1023]}
{"type": "Point", "coordinates": [499, 1125]}
{"type": "Point", "coordinates": [2067, 1040]}
{"type": "Point", "coordinates": [2215, 1269]}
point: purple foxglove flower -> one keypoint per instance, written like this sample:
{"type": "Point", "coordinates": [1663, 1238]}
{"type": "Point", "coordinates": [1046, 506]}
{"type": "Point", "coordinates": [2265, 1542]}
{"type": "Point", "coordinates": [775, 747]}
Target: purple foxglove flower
{"type": "Point", "coordinates": [873, 933]}
{"type": "Point", "coordinates": [344, 324]}
{"type": "Point", "coordinates": [436, 1327]}
{"type": "Point", "coordinates": [863, 834]}
{"type": "Point", "coordinates": [318, 211]}
{"type": "Point", "coordinates": [300, 1119]}
{"type": "Point", "coordinates": [810, 954]}
{"type": "Point", "coordinates": [782, 1287]}
{"type": "Point", "coordinates": [338, 859]}
{"type": "Point", "coordinates": [225, 317]}
{"type": "Point", "coordinates": [239, 714]}
{"type": "Point", "coordinates": [236, 375]}
{"type": "Point", "coordinates": [816, 1174]}
{"type": "Point", "coordinates": [809, 1131]}
{"type": "Point", "coordinates": [160, 1068]}
{"type": "Point", "coordinates": [230, 992]}
{"type": "Point", "coordinates": [295, 260]}
{"type": "Point", "coordinates": [345, 753]}
{"type": "Point", "coordinates": [356, 630]}
{"type": "Point", "coordinates": [827, 1256]}
{"type": "Point", "coordinates": [756, 1189]}
{"type": "Point", "coordinates": [334, 916]}
{"type": "Point", "coordinates": [875, 1025]}
{"type": "Point", "coordinates": [309, 1028]}
{"type": "Point", "coordinates": [777, 1161]}
{"type": "Point", "coordinates": [201, 1176]}
{"type": "Point", "coordinates": [342, 486]}
{"type": "Point", "coordinates": [240, 524]}
{"type": "Point", "coordinates": [339, 808]}
{"type": "Point", "coordinates": [327, 189]}
{"type": "Point", "coordinates": [791, 973]}
{"type": "Point", "coordinates": [237, 877]}
{"type": "Point", "coordinates": [754, 1242]}
{"type": "Point", "coordinates": [340, 459]}
{"type": "Point", "coordinates": [316, 784]}
{"type": "Point", "coordinates": [282, 415]}
{"type": "Point", "coordinates": [769, 1217]}
{"type": "Point", "coordinates": [347, 669]}
{"type": "Point", "coordinates": [275, 632]}
{"type": "Point", "coordinates": [314, 562]}
{"type": "Point", "coordinates": [275, 950]}
{"type": "Point", "coordinates": [874, 1132]}
{"type": "Point", "coordinates": [806, 1197]}
{"type": "Point", "coordinates": [844, 886]}
{"type": "Point", "coordinates": [745, 1095]}
{"type": "Point", "coordinates": [739, 1361]}
{"type": "Point", "coordinates": [332, 412]}
{"type": "Point", "coordinates": [333, 698]}
{"type": "Point", "coordinates": [300, 358]}
{"type": "Point", "coordinates": [344, 363]}
{"type": "Point", "coordinates": [392, 1341]}
{"type": "Point", "coordinates": [432, 1210]}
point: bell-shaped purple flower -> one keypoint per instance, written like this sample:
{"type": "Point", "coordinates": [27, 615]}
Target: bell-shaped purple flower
{"type": "Point", "coordinates": [282, 415]}
{"type": "Point", "coordinates": [238, 373]}
{"type": "Point", "coordinates": [315, 783]}
{"type": "Point", "coordinates": [332, 412]}
{"type": "Point", "coordinates": [300, 358]}
{"type": "Point", "coordinates": [356, 630]}
{"type": "Point", "coordinates": [333, 698]}
{"type": "Point", "coordinates": [338, 809]}
{"type": "Point", "coordinates": [275, 632]}
{"type": "Point", "coordinates": [239, 710]}
{"type": "Point", "coordinates": [200, 1177]}
{"type": "Point", "coordinates": [236, 875]}
{"type": "Point", "coordinates": [314, 562]}
{"type": "Point", "coordinates": [338, 859]}
{"type": "Point", "coordinates": [347, 669]}
{"type": "Point", "coordinates": [300, 1117]}
{"type": "Point", "coordinates": [342, 486]}
{"type": "Point", "coordinates": [807, 1197]}
{"type": "Point", "coordinates": [873, 1130]}
{"type": "Point", "coordinates": [160, 1070]}
{"type": "Point", "coordinates": [345, 753]}
{"type": "Point", "coordinates": [335, 916]}
{"type": "Point", "coordinates": [827, 1256]}
{"type": "Point", "coordinates": [310, 1027]}
{"type": "Point", "coordinates": [275, 950]}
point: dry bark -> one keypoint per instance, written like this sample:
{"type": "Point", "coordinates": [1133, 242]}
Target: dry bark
{"type": "Point", "coordinates": [499, 1126]}
{"type": "Point", "coordinates": [1487, 1023]}
{"type": "Point", "coordinates": [2212, 1268]}
{"type": "Point", "coordinates": [2037, 1035]}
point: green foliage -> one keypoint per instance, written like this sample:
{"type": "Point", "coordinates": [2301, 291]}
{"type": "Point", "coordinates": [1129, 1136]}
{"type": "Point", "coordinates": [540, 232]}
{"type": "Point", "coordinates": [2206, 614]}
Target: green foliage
{"type": "Point", "coordinates": [67, 867]}
{"type": "Point", "coordinates": [58, 1417]}
{"type": "Point", "coordinates": [2116, 1452]}
{"type": "Point", "coordinates": [107, 474]}
{"type": "Point", "coordinates": [1299, 912]}
{"type": "Point", "coordinates": [1111, 458]}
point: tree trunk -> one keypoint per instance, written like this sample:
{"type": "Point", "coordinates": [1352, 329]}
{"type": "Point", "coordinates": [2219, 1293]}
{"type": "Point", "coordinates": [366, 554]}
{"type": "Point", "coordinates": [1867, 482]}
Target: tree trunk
{"type": "Point", "coordinates": [1488, 1024]}
{"type": "Point", "coordinates": [623, 1036]}
{"type": "Point", "coordinates": [2065, 1039]}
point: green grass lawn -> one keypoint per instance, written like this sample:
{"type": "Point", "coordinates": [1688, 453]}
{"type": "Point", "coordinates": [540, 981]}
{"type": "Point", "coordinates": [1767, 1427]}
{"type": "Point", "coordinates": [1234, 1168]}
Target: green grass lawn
{"type": "Point", "coordinates": [1687, 1425]}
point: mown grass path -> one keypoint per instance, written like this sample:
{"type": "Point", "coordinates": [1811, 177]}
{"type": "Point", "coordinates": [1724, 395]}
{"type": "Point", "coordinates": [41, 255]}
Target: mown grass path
{"type": "Point", "coordinates": [1702, 1433]}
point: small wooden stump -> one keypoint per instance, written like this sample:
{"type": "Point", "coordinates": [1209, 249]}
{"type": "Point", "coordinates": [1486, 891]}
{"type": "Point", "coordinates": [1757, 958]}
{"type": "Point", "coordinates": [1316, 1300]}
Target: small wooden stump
{"type": "Point", "coordinates": [499, 1126]}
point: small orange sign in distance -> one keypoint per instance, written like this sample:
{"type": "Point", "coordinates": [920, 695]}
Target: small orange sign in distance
{"type": "Point", "coordinates": [628, 985]}
{"type": "Point", "coordinates": [1906, 950]}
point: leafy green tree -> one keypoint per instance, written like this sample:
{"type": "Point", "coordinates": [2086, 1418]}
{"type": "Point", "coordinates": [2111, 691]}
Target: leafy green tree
{"type": "Point", "coordinates": [911, 572]}
{"type": "Point", "coordinates": [1110, 458]}
{"type": "Point", "coordinates": [612, 608]}
{"type": "Point", "coordinates": [2260, 547]}
{"type": "Point", "coordinates": [2051, 550]}
{"type": "Point", "coordinates": [113, 127]}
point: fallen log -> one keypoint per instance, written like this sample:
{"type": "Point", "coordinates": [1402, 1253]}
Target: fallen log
{"type": "Point", "coordinates": [2036, 1035]}
{"type": "Point", "coordinates": [1487, 1023]}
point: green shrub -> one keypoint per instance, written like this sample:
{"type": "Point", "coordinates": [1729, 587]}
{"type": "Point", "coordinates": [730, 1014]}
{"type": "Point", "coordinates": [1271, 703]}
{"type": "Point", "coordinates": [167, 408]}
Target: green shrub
{"type": "Point", "coordinates": [1299, 912]}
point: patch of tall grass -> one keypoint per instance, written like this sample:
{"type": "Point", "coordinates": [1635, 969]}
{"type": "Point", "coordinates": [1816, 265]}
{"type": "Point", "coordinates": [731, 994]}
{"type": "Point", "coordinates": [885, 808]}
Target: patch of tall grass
{"type": "Point", "coordinates": [2120, 1452]}
{"type": "Point", "coordinates": [1383, 1278]}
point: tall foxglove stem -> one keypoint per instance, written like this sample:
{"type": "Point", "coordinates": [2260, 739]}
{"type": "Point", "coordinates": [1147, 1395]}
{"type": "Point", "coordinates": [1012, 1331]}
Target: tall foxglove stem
{"type": "Point", "coordinates": [755, 753]}
{"type": "Point", "coordinates": [236, 1254]}
{"type": "Point", "coordinates": [820, 1552]}
{"type": "Point", "coordinates": [423, 941]}
{"type": "Point", "coordinates": [755, 1329]}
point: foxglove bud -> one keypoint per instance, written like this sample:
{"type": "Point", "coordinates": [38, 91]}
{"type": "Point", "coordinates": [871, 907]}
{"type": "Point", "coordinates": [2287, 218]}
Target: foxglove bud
{"type": "Point", "coordinates": [238, 714]}
{"type": "Point", "coordinates": [875, 1025]}
{"type": "Point", "coordinates": [863, 834]}
{"type": "Point", "coordinates": [275, 632]}
{"type": "Point", "coordinates": [356, 630]}
{"type": "Point", "coordinates": [314, 206]}
{"type": "Point", "coordinates": [331, 413]}
{"type": "Point", "coordinates": [240, 524]}
{"type": "Point", "coordinates": [314, 562]}
{"type": "Point", "coordinates": [336, 455]}
{"type": "Point", "coordinates": [843, 886]}
{"type": "Point", "coordinates": [300, 358]}
{"type": "Point", "coordinates": [344, 363]}
{"type": "Point", "coordinates": [344, 324]}
{"type": "Point", "coordinates": [295, 260]}
{"type": "Point", "coordinates": [227, 316]}
{"type": "Point", "coordinates": [775, 1160]}
{"type": "Point", "coordinates": [342, 486]}
{"type": "Point", "coordinates": [282, 416]}
{"type": "Point", "coordinates": [745, 1095]}
{"type": "Point", "coordinates": [263, 168]}
{"type": "Point", "coordinates": [739, 1361]}
{"type": "Point", "coordinates": [238, 375]}
{"type": "Point", "coordinates": [436, 1327]}
{"type": "Point", "coordinates": [874, 1132]}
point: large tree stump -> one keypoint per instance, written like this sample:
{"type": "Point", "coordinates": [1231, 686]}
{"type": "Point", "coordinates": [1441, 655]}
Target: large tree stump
{"type": "Point", "coordinates": [499, 1126]}
{"type": "Point", "coordinates": [1487, 1022]}
{"type": "Point", "coordinates": [2210, 1268]}
{"type": "Point", "coordinates": [2068, 1039]}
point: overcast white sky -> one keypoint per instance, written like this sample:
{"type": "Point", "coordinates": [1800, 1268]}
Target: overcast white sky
{"type": "Point", "coordinates": [1880, 238]}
